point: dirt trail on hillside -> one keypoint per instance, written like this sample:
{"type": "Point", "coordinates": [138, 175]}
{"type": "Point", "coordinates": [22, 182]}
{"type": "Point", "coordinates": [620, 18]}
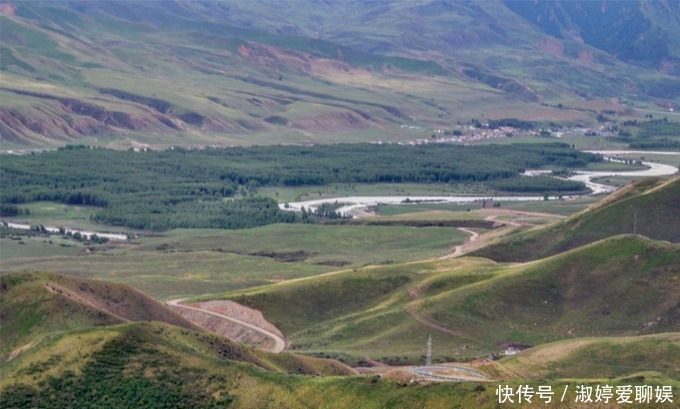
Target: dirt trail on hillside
{"type": "Point", "coordinates": [246, 325]}
{"type": "Point", "coordinates": [476, 240]}
{"type": "Point", "coordinates": [233, 321]}
{"type": "Point", "coordinates": [413, 310]}
{"type": "Point", "coordinates": [458, 250]}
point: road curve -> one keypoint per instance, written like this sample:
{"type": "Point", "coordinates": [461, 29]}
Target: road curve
{"type": "Point", "coordinates": [458, 250]}
{"type": "Point", "coordinates": [466, 374]}
{"type": "Point", "coordinates": [279, 346]}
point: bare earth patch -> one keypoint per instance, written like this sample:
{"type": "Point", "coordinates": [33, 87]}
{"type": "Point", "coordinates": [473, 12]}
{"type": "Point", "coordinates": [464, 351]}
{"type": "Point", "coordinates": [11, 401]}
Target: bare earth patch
{"type": "Point", "coordinates": [241, 313]}
{"type": "Point", "coordinates": [233, 321]}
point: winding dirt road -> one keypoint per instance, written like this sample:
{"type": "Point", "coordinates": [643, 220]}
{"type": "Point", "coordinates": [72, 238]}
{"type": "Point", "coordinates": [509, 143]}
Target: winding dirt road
{"type": "Point", "coordinates": [279, 343]}
{"type": "Point", "coordinates": [471, 242]}
{"type": "Point", "coordinates": [458, 250]}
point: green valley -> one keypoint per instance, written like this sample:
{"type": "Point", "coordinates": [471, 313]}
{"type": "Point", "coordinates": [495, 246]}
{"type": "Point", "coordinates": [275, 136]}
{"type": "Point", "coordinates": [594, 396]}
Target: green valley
{"type": "Point", "coordinates": [339, 204]}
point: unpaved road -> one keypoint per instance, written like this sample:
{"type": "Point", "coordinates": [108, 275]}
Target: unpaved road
{"type": "Point", "coordinates": [470, 242]}
{"type": "Point", "coordinates": [280, 343]}
{"type": "Point", "coordinates": [448, 373]}
{"type": "Point", "coordinates": [458, 250]}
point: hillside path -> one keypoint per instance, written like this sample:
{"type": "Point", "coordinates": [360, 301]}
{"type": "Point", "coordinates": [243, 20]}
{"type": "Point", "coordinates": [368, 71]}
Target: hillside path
{"type": "Point", "coordinates": [458, 250]}
{"type": "Point", "coordinates": [470, 242]}
{"type": "Point", "coordinates": [280, 343]}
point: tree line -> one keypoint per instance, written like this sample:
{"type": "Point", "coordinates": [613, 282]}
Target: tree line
{"type": "Point", "coordinates": [176, 188]}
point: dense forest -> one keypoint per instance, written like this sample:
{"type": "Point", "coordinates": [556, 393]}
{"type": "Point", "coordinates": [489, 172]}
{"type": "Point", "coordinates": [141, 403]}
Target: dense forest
{"type": "Point", "coordinates": [215, 187]}
{"type": "Point", "coordinates": [545, 184]}
{"type": "Point", "coordinates": [656, 134]}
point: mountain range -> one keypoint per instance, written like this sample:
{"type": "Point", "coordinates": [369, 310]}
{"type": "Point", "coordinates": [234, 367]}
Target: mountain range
{"type": "Point", "coordinates": [162, 73]}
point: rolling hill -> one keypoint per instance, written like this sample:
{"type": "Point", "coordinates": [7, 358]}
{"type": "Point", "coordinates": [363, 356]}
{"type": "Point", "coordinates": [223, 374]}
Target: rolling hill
{"type": "Point", "coordinates": [36, 304]}
{"type": "Point", "coordinates": [604, 357]}
{"type": "Point", "coordinates": [99, 361]}
{"type": "Point", "coordinates": [152, 364]}
{"type": "Point", "coordinates": [470, 305]}
{"type": "Point", "coordinates": [138, 74]}
{"type": "Point", "coordinates": [40, 309]}
{"type": "Point", "coordinates": [96, 362]}
{"type": "Point", "coordinates": [648, 207]}
{"type": "Point", "coordinates": [157, 365]}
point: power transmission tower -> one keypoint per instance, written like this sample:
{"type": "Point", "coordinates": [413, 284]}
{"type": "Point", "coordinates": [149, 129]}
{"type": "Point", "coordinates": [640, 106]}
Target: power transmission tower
{"type": "Point", "coordinates": [428, 359]}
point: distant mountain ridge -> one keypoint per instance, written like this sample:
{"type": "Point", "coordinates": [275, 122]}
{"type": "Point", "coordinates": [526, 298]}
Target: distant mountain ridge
{"type": "Point", "coordinates": [645, 33]}
{"type": "Point", "coordinates": [144, 73]}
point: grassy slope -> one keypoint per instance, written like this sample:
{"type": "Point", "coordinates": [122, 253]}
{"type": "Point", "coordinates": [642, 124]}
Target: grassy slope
{"type": "Point", "coordinates": [194, 262]}
{"type": "Point", "coordinates": [475, 35]}
{"type": "Point", "coordinates": [159, 366]}
{"type": "Point", "coordinates": [655, 202]}
{"type": "Point", "coordinates": [35, 304]}
{"type": "Point", "coordinates": [577, 293]}
{"type": "Point", "coordinates": [599, 357]}
{"type": "Point", "coordinates": [254, 86]}
{"type": "Point", "coordinates": [238, 79]}
{"type": "Point", "coordinates": [121, 364]}
{"type": "Point", "coordinates": [373, 311]}
{"type": "Point", "coordinates": [41, 311]}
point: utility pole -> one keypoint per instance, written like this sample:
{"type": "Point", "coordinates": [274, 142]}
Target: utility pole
{"type": "Point", "coordinates": [428, 358]}
{"type": "Point", "coordinates": [635, 223]}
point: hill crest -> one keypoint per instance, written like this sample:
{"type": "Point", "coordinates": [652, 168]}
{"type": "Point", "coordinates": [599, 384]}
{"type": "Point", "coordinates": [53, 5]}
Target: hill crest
{"type": "Point", "coordinates": [647, 207]}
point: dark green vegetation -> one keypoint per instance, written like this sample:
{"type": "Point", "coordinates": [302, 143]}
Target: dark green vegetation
{"type": "Point", "coordinates": [648, 207]}
{"type": "Point", "coordinates": [11, 210]}
{"type": "Point", "coordinates": [233, 72]}
{"type": "Point", "coordinates": [655, 134]}
{"type": "Point", "coordinates": [659, 128]}
{"type": "Point", "coordinates": [470, 304]}
{"type": "Point", "coordinates": [193, 189]}
{"type": "Point", "coordinates": [544, 184]}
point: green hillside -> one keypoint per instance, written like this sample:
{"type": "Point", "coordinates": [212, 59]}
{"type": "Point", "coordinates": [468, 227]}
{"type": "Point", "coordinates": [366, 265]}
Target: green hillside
{"type": "Point", "coordinates": [153, 365]}
{"type": "Point", "coordinates": [470, 305]}
{"type": "Point", "coordinates": [600, 358]}
{"type": "Point", "coordinates": [138, 74]}
{"type": "Point", "coordinates": [649, 207]}
{"type": "Point", "coordinates": [35, 304]}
